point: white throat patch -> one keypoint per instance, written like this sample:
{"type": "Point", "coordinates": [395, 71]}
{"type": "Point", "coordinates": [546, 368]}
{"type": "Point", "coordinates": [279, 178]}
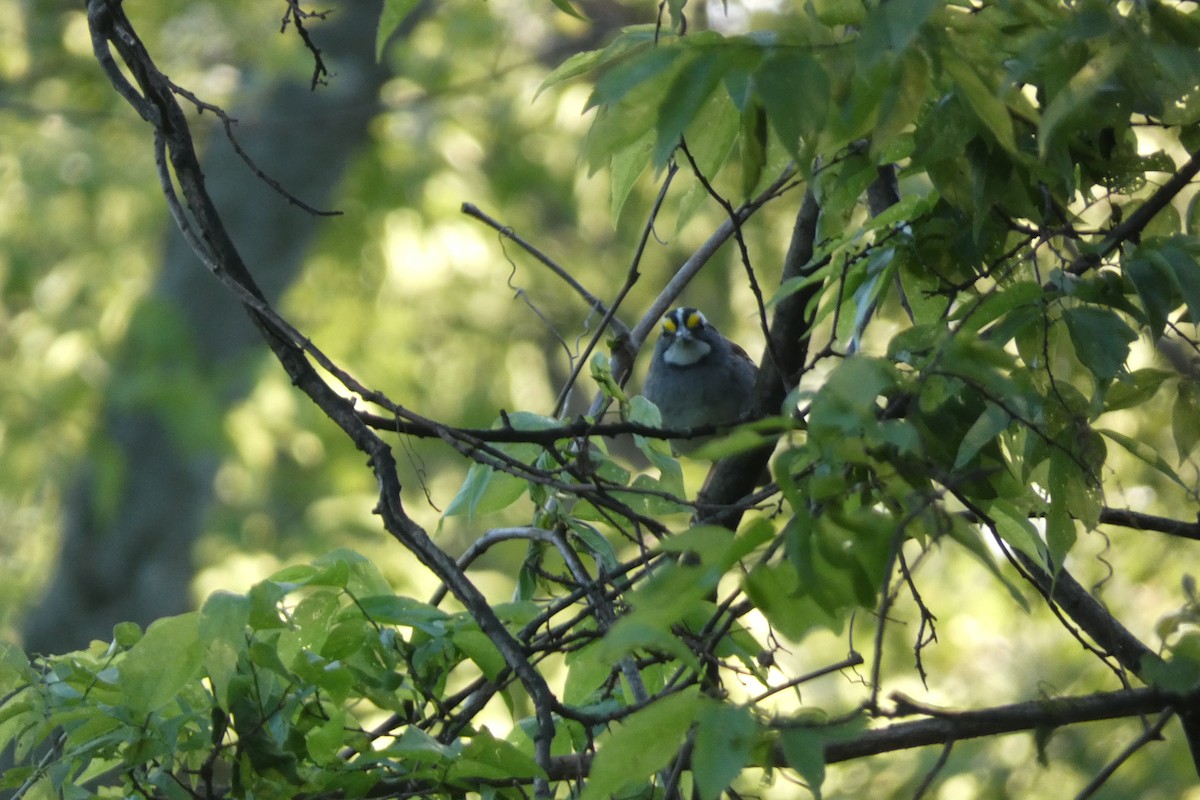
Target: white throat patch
{"type": "Point", "coordinates": [686, 351]}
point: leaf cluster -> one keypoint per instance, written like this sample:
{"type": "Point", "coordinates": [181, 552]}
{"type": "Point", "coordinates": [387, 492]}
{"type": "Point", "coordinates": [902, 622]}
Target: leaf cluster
{"type": "Point", "coordinates": [967, 369]}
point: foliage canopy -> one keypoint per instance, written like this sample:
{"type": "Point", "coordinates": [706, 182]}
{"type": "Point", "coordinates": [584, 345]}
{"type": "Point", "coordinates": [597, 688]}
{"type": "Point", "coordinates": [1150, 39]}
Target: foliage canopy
{"type": "Point", "coordinates": [992, 233]}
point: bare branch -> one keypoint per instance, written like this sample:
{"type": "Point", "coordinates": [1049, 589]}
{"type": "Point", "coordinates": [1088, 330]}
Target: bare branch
{"type": "Point", "coordinates": [1133, 225]}
{"type": "Point", "coordinates": [1151, 733]}
{"type": "Point", "coordinates": [471, 210]}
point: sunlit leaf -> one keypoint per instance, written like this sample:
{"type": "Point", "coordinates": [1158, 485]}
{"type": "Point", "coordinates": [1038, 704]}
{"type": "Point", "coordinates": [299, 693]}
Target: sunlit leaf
{"type": "Point", "coordinates": [804, 749]}
{"type": "Point", "coordinates": [634, 749]}
{"type": "Point", "coordinates": [724, 739]}
{"type": "Point", "coordinates": [990, 424]}
{"type": "Point", "coordinates": [1015, 528]}
{"type": "Point", "coordinates": [1145, 453]}
{"type": "Point", "coordinates": [165, 660]}
{"type": "Point", "coordinates": [990, 109]}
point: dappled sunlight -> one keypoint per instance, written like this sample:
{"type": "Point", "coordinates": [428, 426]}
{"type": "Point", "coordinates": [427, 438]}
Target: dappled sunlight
{"type": "Point", "coordinates": [977, 381]}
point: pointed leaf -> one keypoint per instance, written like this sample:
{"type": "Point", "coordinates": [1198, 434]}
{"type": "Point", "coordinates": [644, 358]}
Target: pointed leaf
{"type": "Point", "coordinates": [991, 423]}
{"type": "Point", "coordinates": [988, 107]}
{"type": "Point", "coordinates": [166, 659]}
{"type": "Point", "coordinates": [633, 750]}
{"type": "Point", "coordinates": [1101, 339]}
{"type": "Point", "coordinates": [1079, 93]}
{"type": "Point", "coordinates": [794, 90]}
{"type": "Point", "coordinates": [724, 738]}
{"type": "Point", "coordinates": [1185, 418]}
{"type": "Point", "coordinates": [390, 19]}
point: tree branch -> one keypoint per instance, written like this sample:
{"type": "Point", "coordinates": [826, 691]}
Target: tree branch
{"type": "Point", "coordinates": [942, 727]}
{"type": "Point", "coordinates": [154, 99]}
{"type": "Point", "coordinates": [1135, 222]}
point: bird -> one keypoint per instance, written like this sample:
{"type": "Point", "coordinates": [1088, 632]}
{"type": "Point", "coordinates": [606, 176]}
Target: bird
{"type": "Point", "coordinates": [698, 377]}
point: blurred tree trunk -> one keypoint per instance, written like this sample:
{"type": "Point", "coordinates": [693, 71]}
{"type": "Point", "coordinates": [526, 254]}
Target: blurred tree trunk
{"type": "Point", "coordinates": [135, 510]}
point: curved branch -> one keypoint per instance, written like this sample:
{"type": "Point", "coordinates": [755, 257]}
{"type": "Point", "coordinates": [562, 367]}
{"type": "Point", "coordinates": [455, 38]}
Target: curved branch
{"type": "Point", "coordinates": [1125, 518]}
{"type": "Point", "coordinates": [944, 726]}
{"type": "Point", "coordinates": [109, 25]}
{"type": "Point", "coordinates": [1135, 222]}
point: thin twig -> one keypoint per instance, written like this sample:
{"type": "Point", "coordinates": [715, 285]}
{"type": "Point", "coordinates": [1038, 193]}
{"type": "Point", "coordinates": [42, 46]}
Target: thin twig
{"type": "Point", "coordinates": [1152, 732]}
{"type": "Point", "coordinates": [1132, 225]}
{"type": "Point", "coordinates": [930, 776]}
{"type": "Point", "coordinates": [473, 211]}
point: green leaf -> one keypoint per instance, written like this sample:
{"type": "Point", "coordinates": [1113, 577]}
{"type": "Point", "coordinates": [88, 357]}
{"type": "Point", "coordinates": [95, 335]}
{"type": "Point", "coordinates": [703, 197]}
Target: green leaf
{"type": "Point", "coordinates": [775, 591]}
{"type": "Point", "coordinates": [643, 412]}
{"type": "Point", "coordinates": [993, 306]}
{"type": "Point", "coordinates": [804, 749]}
{"type": "Point", "coordinates": [794, 90]}
{"type": "Point", "coordinates": [490, 758]}
{"type": "Point", "coordinates": [586, 672]}
{"type": "Point", "coordinates": [165, 660]}
{"type": "Point", "coordinates": [324, 741]}
{"type": "Point", "coordinates": [1060, 524]}
{"type": "Point", "coordinates": [710, 139]}
{"type": "Point", "coordinates": [1183, 268]}
{"type": "Point", "coordinates": [595, 543]}
{"type": "Point", "coordinates": [633, 750]}
{"type": "Point", "coordinates": [1101, 339]}
{"type": "Point", "coordinates": [753, 139]}
{"type": "Point", "coordinates": [363, 578]}
{"type": "Point", "coordinates": [629, 41]}
{"type": "Point", "coordinates": [892, 26]}
{"type": "Point", "coordinates": [1079, 92]}
{"type": "Point", "coordinates": [725, 736]}
{"type": "Point", "coordinates": [479, 648]}
{"type": "Point", "coordinates": [1185, 418]}
{"type": "Point", "coordinates": [566, 7]}
{"type": "Point", "coordinates": [840, 12]}
{"type": "Point", "coordinates": [390, 19]}
{"type": "Point", "coordinates": [1015, 528]}
{"type": "Point", "coordinates": [329, 573]}
{"type": "Point", "coordinates": [635, 71]}
{"type": "Point", "coordinates": [626, 166]}
{"type": "Point", "coordinates": [690, 90]}
{"type": "Point", "coordinates": [487, 490]}
{"type": "Point", "coordinates": [313, 617]}
{"type": "Point", "coordinates": [415, 745]}
{"type": "Point", "coordinates": [223, 621]}
{"type": "Point", "coordinates": [971, 539]}
{"type": "Point", "coordinates": [1136, 388]}
{"type": "Point", "coordinates": [901, 105]}
{"type": "Point", "coordinates": [1176, 675]}
{"type": "Point", "coordinates": [670, 595]}
{"type": "Point", "coordinates": [988, 107]}
{"type": "Point", "coordinates": [846, 403]}
{"type": "Point", "coordinates": [990, 424]}
{"type": "Point", "coordinates": [1145, 453]}
{"type": "Point", "coordinates": [1152, 280]}
{"type": "Point", "coordinates": [14, 670]}
{"type": "Point", "coordinates": [405, 611]}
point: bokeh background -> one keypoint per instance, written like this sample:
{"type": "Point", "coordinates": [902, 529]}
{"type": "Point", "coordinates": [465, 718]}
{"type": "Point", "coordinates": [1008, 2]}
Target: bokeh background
{"type": "Point", "coordinates": [148, 441]}
{"type": "Point", "coordinates": [152, 452]}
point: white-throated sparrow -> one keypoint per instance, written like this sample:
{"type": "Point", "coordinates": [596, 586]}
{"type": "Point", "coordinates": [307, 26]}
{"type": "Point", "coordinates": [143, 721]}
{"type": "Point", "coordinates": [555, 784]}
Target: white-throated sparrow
{"type": "Point", "coordinates": [697, 376]}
